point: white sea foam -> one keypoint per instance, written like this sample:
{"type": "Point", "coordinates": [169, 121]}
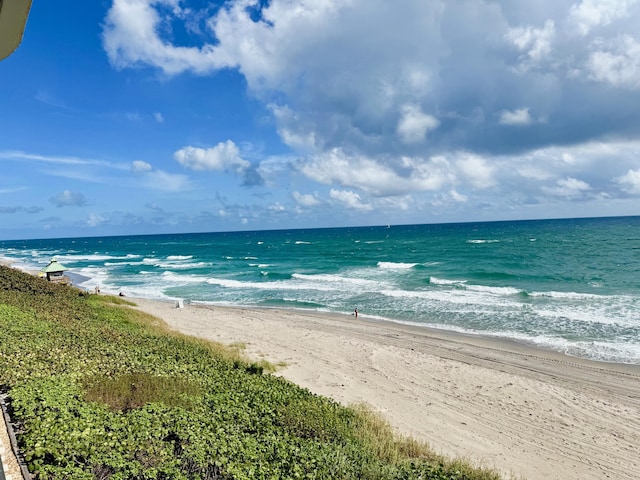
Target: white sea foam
{"type": "Point", "coordinates": [614, 311]}
{"type": "Point", "coordinates": [225, 282]}
{"type": "Point", "coordinates": [442, 281]}
{"type": "Point", "coordinates": [92, 258]}
{"type": "Point", "coordinates": [567, 295]}
{"type": "Point", "coordinates": [46, 253]}
{"type": "Point", "coordinates": [396, 265]}
{"type": "Point", "coordinates": [602, 351]}
{"type": "Point", "coordinates": [96, 276]}
{"type": "Point", "coordinates": [336, 279]}
{"type": "Point", "coordinates": [303, 283]}
{"type": "Point", "coordinates": [605, 351]}
{"type": "Point", "coordinates": [483, 241]}
{"type": "Point", "coordinates": [459, 300]}
{"type": "Point", "coordinates": [493, 290]}
{"type": "Point", "coordinates": [229, 283]}
{"type": "Point", "coordinates": [20, 265]}
{"type": "Point", "coordinates": [145, 290]}
{"type": "Point", "coordinates": [619, 352]}
{"type": "Point", "coordinates": [183, 279]}
{"type": "Point", "coordinates": [179, 257]}
{"type": "Point", "coordinates": [118, 264]}
{"type": "Point", "coordinates": [183, 266]}
{"type": "Point", "coordinates": [476, 288]}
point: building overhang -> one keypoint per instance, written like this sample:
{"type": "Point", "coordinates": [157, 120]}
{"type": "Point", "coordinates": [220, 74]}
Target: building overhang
{"type": "Point", "coordinates": [13, 18]}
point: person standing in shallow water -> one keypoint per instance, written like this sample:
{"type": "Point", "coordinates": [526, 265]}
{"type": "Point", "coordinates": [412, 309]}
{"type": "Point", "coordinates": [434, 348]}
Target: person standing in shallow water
{"type": "Point", "coordinates": [355, 312]}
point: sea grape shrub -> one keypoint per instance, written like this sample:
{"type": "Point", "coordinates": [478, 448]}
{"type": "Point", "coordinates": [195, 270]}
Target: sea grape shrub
{"type": "Point", "coordinates": [101, 391]}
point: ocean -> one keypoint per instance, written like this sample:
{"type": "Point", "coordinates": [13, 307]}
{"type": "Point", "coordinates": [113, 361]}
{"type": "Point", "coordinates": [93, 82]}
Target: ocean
{"type": "Point", "coordinates": [566, 285]}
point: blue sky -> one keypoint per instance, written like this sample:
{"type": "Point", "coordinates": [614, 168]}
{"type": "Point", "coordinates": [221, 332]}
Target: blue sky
{"type": "Point", "coordinates": [152, 116]}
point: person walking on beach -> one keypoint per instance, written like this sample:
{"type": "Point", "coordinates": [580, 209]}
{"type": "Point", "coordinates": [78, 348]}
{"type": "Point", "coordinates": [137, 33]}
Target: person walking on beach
{"type": "Point", "coordinates": [356, 312]}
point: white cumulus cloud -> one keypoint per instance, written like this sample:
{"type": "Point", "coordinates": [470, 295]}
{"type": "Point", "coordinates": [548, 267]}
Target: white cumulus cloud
{"type": "Point", "coordinates": [131, 37]}
{"type": "Point", "coordinates": [306, 199]}
{"type": "Point", "coordinates": [225, 155]}
{"type": "Point", "coordinates": [95, 219]}
{"type": "Point", "coordinates": [520, 116]}
{"type": "Point", "coordinates": [616, 62]}
{"type": "Point", "coordinates": [349, 199]}
{"type": "Point", "coordinates": [159, 179]}
{"type": "Point", "coordinates": [588, 14]}
{"type": "Point", "coordinates": [569, 188]}
{"type": "Point", "coordinates": [414, 124]}
{"type": "Point", "coordinates": [630, 182]}
{"type": "Point", "coordinates": [69, 199]}
{"type": "Point", "coordinates": [535, 43]}
{"type": "Point", "coordinates": [168, 182]}
{"type": "Point", "coordinates": [477, 170]}
{"type": "Point", "coordinates": [138, 166]}
{"type": "Point", "coordinates": [417, 113]}
{"type": "Point", "coordinates": [409, 174]}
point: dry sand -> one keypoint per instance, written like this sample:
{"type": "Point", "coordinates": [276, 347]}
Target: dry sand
{"type": "Point", "coordinates": [524, 411]}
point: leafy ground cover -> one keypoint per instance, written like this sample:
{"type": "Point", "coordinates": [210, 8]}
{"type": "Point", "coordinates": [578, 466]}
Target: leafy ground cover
{"type": "Point", "coordinates": [101, 391]}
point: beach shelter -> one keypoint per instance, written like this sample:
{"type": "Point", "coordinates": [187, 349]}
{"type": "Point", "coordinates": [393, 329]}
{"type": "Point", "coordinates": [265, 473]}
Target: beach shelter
{"type": "Point", "coordinates": [54, 271]}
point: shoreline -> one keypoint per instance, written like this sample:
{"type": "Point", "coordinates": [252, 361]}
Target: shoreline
{"type": "Point", "coordinates": [518, 408]}
{"type": "Point", "coordinates": [609, 350]}
{"type": "Point", "coordinates": [444, 331]}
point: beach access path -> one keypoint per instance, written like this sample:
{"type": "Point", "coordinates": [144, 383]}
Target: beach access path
{"type": "Point", "coordinates": [527, 412]}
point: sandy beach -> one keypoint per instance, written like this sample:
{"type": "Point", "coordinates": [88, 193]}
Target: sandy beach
{"type": "Point", "coordinates": [527, 412]}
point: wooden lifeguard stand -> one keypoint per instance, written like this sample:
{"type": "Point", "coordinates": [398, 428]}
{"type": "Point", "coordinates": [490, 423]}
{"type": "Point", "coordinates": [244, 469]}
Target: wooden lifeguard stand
{"type": "Point", "coordinates": [54, 272]}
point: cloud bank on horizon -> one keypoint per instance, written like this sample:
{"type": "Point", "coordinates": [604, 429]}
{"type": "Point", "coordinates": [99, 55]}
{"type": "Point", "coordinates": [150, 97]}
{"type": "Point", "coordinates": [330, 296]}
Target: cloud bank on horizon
{"type": "Point", "coordinates": [383, 112]}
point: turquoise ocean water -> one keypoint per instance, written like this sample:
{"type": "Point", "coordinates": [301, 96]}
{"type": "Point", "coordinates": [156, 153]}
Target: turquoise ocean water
{"type": "Point", "coordinates": [566, 285]}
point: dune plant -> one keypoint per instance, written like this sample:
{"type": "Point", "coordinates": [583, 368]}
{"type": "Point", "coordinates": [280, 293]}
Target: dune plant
{"type": "Point", "coordinates": [99, 390]}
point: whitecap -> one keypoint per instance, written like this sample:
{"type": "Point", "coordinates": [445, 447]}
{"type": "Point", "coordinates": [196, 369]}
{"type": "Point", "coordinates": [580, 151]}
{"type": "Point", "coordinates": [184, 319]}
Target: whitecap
{"type": "Point", "coordinates": [442, 281]}
{"type": "Point", "coordinates": [396, 265]}
{"type": "Point", "coordinates": [494, 290]}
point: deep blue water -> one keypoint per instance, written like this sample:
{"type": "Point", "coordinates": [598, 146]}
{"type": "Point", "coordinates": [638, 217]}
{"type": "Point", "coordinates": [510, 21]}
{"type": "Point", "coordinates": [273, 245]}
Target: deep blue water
{"type": "Point", "coordinates": [567, 285]}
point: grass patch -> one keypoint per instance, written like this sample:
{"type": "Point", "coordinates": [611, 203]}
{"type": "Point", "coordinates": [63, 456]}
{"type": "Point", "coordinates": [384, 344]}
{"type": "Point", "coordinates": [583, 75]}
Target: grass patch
{"type": "Point", "coordinates": [100, 390]}
{"type": "Point", "coordinates": [110, 299]}
{"type": "Point", "coordinates": [134, 390]}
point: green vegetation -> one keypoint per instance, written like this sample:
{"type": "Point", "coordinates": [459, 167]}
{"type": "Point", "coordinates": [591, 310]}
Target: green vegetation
{"type": "Point", "coordinates": [101, 391]}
